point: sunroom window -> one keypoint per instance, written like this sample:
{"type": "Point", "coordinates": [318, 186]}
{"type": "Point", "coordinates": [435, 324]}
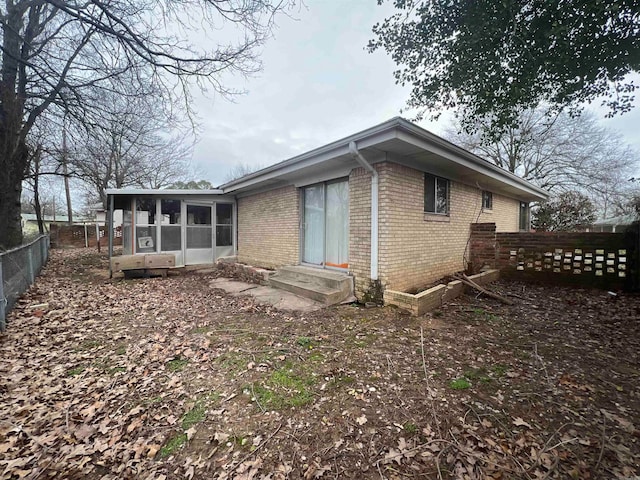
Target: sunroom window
{"type": "Point", "coordinates": [145, 225]}
{"type": "Point", "coordinates": [224, 225]}
{"type": "Point", "coordinates": [170, 229]}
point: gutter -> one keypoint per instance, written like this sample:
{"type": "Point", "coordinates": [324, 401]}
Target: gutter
{"type": "Point", "coordinates": [353, 150]}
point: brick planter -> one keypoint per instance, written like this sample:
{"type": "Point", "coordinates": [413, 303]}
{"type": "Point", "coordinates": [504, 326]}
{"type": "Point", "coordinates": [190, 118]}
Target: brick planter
{"type": "Point", "coordinates": [434, 297]}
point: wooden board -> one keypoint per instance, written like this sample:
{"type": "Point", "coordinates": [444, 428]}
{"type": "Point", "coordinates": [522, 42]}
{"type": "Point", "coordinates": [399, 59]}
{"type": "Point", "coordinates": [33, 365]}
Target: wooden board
{"type": "Point", "coordinates": [127, 262]}
{"type": "Point", "coordinates": [160, 260]}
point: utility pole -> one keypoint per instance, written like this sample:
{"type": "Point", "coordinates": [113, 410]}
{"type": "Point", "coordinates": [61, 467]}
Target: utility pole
{"type": "Point", "coordinates": [65, 172]}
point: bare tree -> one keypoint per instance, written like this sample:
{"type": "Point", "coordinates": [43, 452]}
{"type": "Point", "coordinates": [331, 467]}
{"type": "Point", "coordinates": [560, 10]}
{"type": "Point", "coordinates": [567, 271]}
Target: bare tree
{"type": "Point", "coordinates": [55, 52]}
{"type": "Point", "coordinates": [192, 185]}
{"type": "Point", "coordinates": [40, 194]}
{"type": "Point", "coordinates": [561, 154]}
{"type": "Point", "coordinates": [129, 145]}
{"type": "Point", "coordinates": [44, 167]}
{"type": "Point", "coordinates": [240, 170]}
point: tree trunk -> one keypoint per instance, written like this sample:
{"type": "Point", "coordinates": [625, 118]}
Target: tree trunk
{"type": "Point", "coordinates": [10, 219]}
{"type": "Point", "coordinates": [65, 172]}
{"type": "Point", "coordinates": [67, 192]}
{"type": "Point", "coordinates": [13, 168]}
{"type": "Point", "coordinates": [36, 191]}
{"type": "Point", "coordinates": [13, 152]}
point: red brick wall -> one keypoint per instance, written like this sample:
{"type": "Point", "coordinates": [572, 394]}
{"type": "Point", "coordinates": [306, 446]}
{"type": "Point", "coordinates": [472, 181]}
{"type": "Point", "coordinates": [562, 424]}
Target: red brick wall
{"type": "Point", "coordinates": [74, 235]}
{"type": "Point", "coordinates": [607, 260]}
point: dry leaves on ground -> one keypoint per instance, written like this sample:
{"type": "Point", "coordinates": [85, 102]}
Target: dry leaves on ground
{"type": "Point", "coordinates": [170, 379]}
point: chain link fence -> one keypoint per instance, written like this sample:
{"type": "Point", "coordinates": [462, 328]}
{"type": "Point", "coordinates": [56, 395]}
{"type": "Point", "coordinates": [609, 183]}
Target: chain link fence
{"type": "Point", "coordinates": [18, 270]}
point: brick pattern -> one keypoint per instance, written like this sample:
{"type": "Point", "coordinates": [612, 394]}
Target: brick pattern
{"type": "Point", "coordinates": [435, 297]}
{"type": "Point", "coordinates": [417, 249]}
{"type": "Point", "coordinates": [360, 229]}
{"type": "Point", "coordinates": [482, 246]}
{"type": "Point", "coordinates": [414, 250]}
{"type": "Point", "coordinates": [597, 259]}
{"type": "Point", "coordinates": [268, 228]}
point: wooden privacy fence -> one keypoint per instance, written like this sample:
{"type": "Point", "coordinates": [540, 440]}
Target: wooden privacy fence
{"type": "Point", "coordinates": [18, 270]}
{"type": "Point", "coordinates": [83, 235]}
{"type": "Point", "coordinates": [590, 259]}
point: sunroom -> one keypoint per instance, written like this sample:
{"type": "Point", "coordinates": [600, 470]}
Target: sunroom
{"type": "Point", "coordinates": [196, 226]}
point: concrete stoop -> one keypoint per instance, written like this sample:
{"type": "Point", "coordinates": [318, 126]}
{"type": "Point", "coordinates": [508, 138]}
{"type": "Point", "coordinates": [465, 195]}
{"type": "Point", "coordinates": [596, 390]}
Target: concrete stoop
{"type": "Point", "coordinates": [323, 286]}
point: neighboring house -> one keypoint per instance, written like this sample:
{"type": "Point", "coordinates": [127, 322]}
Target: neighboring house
{"type": "Point", "coordinates": [391, 206]}
{"type": "Point", "coordinates": [612, 224]}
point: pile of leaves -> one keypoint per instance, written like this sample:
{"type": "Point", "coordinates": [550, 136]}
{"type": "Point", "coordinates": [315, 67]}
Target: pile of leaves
{"type": "Point", "coordinates": [169, 378]}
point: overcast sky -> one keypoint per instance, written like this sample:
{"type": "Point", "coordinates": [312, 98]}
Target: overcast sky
{"type": "Point", "coordinates": [318, 84]}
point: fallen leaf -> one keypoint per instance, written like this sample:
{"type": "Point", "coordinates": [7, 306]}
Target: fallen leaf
{"type": "Point", "coordinates": [361, 420]}
{"type": "Point", "coordinates": [519, 422]}
{"type": "Point", "coordinates": [188, 474]}
{"type": "Point", "coordinates": [190, 433]}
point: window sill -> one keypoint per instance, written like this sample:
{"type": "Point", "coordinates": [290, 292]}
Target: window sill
{"type": "Point", "coordinates": [487, 210]}
{"type": "Point", "coordinates": [436, 217]}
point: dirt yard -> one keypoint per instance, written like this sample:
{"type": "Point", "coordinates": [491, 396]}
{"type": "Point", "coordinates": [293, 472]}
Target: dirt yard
{"type": "Point", "coordinates": [171, 379]}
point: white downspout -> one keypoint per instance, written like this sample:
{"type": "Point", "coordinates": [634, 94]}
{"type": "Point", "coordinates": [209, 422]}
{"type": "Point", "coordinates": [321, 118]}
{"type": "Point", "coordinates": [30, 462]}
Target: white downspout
{"type": "Point", "coordinates": [353, 149]}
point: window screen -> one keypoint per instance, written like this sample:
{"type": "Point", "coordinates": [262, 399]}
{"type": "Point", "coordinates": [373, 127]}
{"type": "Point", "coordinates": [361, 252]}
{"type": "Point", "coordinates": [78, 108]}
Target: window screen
{"type": "Point", "coordinates": [224, 221]}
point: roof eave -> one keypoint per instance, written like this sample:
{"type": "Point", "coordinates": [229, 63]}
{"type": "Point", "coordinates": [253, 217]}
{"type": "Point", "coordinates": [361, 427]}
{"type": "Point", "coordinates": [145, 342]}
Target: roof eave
{"type": "Point", "coordinates": [388, 128]}
{"type": "Point", "coordinates": [483, 166]}
{"type": "Point", "coordinates": [142, 191]}
{"type": "Point", "coordinates": [334, 147]}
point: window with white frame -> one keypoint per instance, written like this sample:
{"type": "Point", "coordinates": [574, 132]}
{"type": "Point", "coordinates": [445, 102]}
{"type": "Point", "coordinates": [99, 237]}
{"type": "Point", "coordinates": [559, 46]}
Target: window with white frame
{"type": "Point", "coordinates": [487, 200]}
{"type": "Point", "coordinates": [436, 194]}
{"type": "Point", "coordinates": [525, 217]}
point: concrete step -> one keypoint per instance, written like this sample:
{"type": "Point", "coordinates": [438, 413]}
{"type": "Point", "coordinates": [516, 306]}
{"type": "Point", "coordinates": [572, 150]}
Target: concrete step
{"type": "Point", "coordinates": [318, 284]}
{"type": "Point", "coordinates": [336, 280]}
{"type": "Point", "coordinates": [314, 291]}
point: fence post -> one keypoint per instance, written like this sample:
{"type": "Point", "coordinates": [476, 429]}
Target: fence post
{"type": "Point", "coordinates": [32, 276]}
{"type": "Point", "coordinates": [3, 301]}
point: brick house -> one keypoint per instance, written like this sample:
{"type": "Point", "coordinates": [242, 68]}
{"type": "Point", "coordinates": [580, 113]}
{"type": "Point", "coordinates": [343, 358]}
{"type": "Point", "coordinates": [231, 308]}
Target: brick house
{"type": "Point", "coordinates": [390, 206]}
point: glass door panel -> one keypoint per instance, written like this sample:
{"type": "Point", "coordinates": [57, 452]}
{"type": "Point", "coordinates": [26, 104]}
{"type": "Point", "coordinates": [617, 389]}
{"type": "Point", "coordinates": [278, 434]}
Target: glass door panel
{"type": "Point", "coordinates": [313, 226]}
{"type": "Point", "coordinates": [199, 235]}
{"type": "Point", "coordinates": [337, 225]}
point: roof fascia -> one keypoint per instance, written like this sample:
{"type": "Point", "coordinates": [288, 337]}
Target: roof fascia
{"type": "Point", "coordinates": [428, 141]}
{"type": "Point", "coordinates": [172, 192]}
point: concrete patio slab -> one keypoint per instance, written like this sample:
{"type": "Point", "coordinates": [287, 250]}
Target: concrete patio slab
{"type": "Point", "coordinates": [280, 299]}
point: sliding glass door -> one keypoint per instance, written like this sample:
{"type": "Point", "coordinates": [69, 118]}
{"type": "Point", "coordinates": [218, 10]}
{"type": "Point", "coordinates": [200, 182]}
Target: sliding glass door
{"type": "Point", "coordinates": [337, 225]}
{"type": "Point", "coordinates": [325, 229]}
{"type": "Point", "coordinates": [313, 227]}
